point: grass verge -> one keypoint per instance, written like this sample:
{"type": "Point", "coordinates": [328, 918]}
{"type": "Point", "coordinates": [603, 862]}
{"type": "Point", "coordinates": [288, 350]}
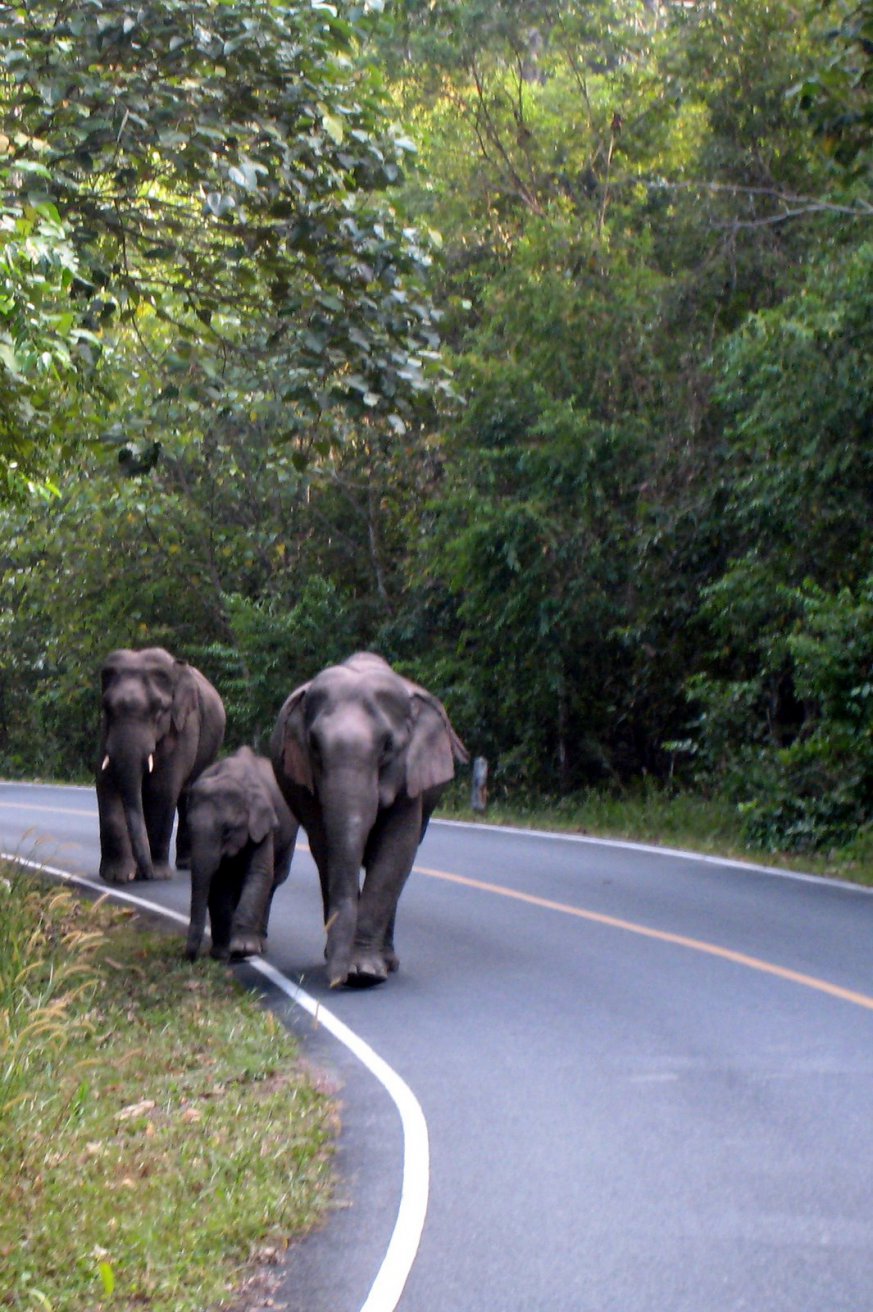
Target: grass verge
{"type": "Point", "coordinates": [157, 1132]}
{"type": "Point", "coordinates": [656, 815]}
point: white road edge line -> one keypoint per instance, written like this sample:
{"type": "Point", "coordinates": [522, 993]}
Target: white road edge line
{"type": "Point", "coordinates": [403, 1246]}
{"type": "Point", "coordinates": [681, 854]}
{"type": "Point", "coordinates": [385, 1292]}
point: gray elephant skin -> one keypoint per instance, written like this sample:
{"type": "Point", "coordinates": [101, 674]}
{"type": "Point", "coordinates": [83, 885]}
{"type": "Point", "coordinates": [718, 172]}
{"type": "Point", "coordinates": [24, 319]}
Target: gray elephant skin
{"type": "Point", "coordinates": [242, 841]}
{"type": "Point", "coordinates": [362, 756]}
{"type": "Point", "coordinates": [162, 724]}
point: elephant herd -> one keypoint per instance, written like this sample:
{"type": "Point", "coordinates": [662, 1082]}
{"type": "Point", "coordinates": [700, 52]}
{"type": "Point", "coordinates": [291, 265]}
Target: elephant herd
{"type": "Point", "coordinates": [359, 756]}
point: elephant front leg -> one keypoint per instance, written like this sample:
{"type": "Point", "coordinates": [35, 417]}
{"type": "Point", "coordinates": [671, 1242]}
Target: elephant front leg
{"type": "Point", "coordinates": [221, 908]}
{"type": "Point", "coordinates": [340, 926]}
{"type": "Point", "coordinates": [318, 849]}
{"type": "Point", "coordinates": [249, 927]}
{"type": "Point", "coordinates": [159, 806]}
{"type": "Point", "coordinates": [117, 862]}
{"type": "Point", "coordinates": [389, 859]}
{"type": "Point", "coordinates": [389, 956]}
{"type": "Point", "coordinates": [339, 875]}
{"type": "Point", "coordinates": [197, 918]}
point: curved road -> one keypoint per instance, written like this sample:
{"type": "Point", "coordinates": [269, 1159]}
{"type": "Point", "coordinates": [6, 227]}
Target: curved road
{"type": "Point", "coordinates": [647, 1077]}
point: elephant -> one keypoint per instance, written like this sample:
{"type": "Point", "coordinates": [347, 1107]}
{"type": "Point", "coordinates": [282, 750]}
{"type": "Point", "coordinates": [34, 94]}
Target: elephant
{"type": "Point", "coordinates": [242, 841]}
{"type": "Point", "coordinates": [162, 724]}
{"type": "Point", "coordinates": [362, 756]}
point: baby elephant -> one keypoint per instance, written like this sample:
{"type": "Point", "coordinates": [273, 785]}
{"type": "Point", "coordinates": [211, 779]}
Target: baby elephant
{"type": "Point", "coordinates": [242, 841]}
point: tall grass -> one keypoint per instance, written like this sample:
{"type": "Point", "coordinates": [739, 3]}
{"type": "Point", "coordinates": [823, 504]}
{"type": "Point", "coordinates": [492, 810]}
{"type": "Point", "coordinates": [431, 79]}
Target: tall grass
{"type": "Point", "coordinates": [156, 1130]}
{"type": "Point", "coordinates": [47, 975]}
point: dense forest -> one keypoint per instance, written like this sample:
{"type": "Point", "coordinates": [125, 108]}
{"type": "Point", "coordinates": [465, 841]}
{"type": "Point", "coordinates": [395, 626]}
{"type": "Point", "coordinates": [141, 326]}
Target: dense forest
{"type": "Point", "coordinates": [527, 342]}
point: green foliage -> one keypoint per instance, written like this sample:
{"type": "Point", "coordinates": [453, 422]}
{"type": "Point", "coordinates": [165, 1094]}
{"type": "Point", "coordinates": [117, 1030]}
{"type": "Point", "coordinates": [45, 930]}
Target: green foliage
{"type": "Point", "coordinates": [43, 347]}
{"type": "Point", "coordinates": [274, 650]}
{"type": "Point", "coordinates": [820, 792]}
{"type": "Point", "coordinates": [785, 707]}
{"type": "Point", "coordinates": [537, 600]}
{"type": "Point", "coordinates": [213, 177]}
{"type": "Point", "coordinates": [796, 391]}
{"type": "Point", "coordinates": [837, 95]}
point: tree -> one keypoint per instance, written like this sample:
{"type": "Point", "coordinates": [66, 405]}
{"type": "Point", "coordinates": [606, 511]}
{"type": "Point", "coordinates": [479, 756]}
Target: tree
{"type": "Point", "coordinates": [838, 94]}
{"type": "Point", "coordinates": [212, 177]}
{"type": "Point", "coordinates": [43, 347]}
{"type": "Point", "coordinates": [787, 663]}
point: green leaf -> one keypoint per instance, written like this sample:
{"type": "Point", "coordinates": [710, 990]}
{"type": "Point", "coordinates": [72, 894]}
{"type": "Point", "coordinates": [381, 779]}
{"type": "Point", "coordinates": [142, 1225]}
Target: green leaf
{"type": "Point", "coordinates": [107, 1277]}
{"type": "Point", "coordinates": [333, 127]}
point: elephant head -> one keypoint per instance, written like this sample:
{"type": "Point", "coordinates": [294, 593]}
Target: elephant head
{"type": "Point", "coordinates": [161, 722]}
{"type": "Point", "coordinates": [362, 755]}
{"type": "Point", "coordinates": [145, 694]}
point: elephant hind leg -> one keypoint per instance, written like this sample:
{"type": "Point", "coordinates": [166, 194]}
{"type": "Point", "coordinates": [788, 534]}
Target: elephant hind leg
{"type": "Point", "coordinates": [183, 837]}
{"type": "Point", "coordinates": [159, 810]}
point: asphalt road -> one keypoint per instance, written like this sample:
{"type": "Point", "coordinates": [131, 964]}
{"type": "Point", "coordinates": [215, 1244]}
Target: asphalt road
{"type": "Point", "coordinates": [647, 1079]}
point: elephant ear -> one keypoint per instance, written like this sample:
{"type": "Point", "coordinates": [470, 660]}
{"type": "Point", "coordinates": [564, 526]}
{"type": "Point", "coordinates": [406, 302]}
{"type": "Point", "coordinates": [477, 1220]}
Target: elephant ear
{"type": "Point", "coordinates": [433, 746]}
{"type": "Point", "coordinates": [262, 814]}
{"type": "Point", "coordinates": [110, 668]}
{"type": "Point", "coordinates": [185, 698]}
{"type": "Point", "coordinates": [295, 753]}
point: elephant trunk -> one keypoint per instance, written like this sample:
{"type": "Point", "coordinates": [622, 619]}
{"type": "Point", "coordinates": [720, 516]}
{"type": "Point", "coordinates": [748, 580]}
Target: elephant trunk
{"type": "Point", "coordinates": [139, 839]}
{"type": "Point", "coordinates": [349, 809]}
{"type": "Point", "coordinates": [129, 762]}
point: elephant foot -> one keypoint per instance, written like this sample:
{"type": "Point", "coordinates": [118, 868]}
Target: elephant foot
{"type": "Point", "coordinates": [246, 945]}
{"type": "Point", "coordinates": [160, 870]}
{"type": "Point", "coordinates": [117, 872]}
{"type": "Point", "coordinates": [367, 969]}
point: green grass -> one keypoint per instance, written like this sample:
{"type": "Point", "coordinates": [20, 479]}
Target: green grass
{"type": "Point", "coordinates": [157, 1131]}
{"type": "Point", "coordinates": [669, 818]}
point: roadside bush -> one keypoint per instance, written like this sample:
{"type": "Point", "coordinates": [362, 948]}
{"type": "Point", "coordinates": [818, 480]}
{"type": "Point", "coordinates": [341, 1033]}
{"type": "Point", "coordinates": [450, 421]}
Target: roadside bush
{"type": "Point", "coordinates": [803, 776]}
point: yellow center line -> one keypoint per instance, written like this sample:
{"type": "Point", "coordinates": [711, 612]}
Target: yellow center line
{"type": "Point", "coordinates": [663, 936]}
{"type": "Point", "coordinates": [50, 810]}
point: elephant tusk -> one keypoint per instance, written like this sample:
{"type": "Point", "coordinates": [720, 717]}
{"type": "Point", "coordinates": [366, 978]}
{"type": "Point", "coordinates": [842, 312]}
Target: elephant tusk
{"type": "Point", "coordinates": [329, 924]}
{"type": "Point", "coordinates": [105, 765]}
{"type": "Point", "coordinates": [151, 763]}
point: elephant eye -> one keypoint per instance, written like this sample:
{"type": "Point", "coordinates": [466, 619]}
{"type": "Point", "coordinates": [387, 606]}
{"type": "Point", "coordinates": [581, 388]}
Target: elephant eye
{"type": "Point", "coordinates": [161, 685]}
{"type": "Point", "coordinates": [387, 746]}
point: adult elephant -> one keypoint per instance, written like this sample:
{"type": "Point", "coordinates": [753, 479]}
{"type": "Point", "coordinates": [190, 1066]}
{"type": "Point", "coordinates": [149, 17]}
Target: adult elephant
{"type": "Point", "coordinates": [362, 756]}
{"type": "Point", "coordinates": [162, 724]}
{"type": "Point", "coordinates": [242, 841]}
